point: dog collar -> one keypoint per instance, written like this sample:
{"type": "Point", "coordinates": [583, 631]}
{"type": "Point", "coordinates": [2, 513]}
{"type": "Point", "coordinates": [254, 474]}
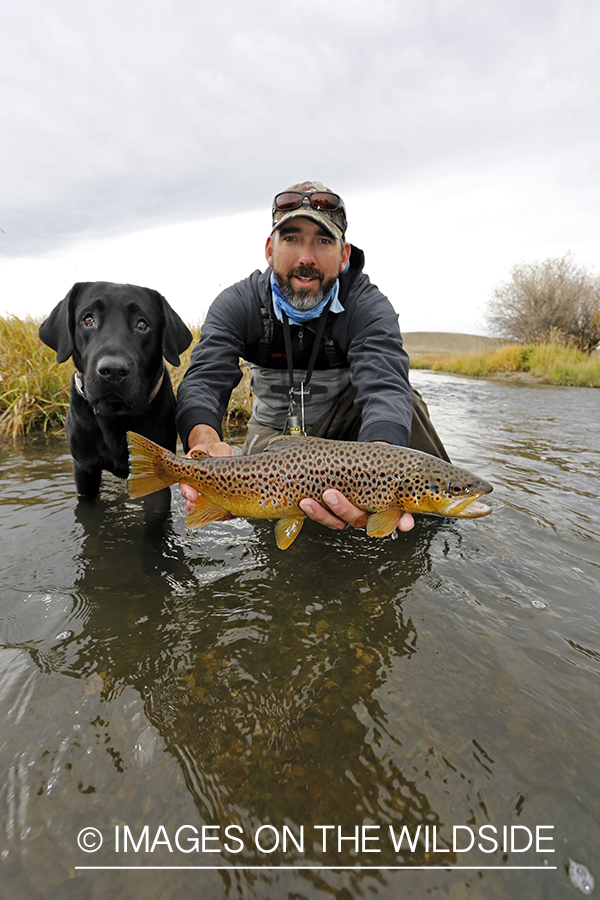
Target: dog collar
{"type": "Point", "coordinates": [79, 384]}
{"type": "Point", "coordinates": [78, 379]}
{"type": "Point", "coordinates": [157, 386]}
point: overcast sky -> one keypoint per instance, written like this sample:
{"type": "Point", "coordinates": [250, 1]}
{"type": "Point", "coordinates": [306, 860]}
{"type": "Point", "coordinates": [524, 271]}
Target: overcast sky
{"type": "Point", "coordinates": [144, 141]}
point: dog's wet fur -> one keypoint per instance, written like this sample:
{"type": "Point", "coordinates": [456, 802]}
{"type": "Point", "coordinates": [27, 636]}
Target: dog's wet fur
{"type": "Point", "coordinates": [117, 335]}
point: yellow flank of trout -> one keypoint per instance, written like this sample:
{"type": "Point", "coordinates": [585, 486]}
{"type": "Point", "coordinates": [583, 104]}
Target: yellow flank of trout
{"type": "Point", "coordinates": [379, 478]}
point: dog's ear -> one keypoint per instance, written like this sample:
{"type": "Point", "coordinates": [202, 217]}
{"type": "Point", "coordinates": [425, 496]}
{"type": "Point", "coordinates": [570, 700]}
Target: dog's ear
{"type": "Point", "coordinates": [57, 330]}
{"type": "Point", "coordinates": [176, 335]}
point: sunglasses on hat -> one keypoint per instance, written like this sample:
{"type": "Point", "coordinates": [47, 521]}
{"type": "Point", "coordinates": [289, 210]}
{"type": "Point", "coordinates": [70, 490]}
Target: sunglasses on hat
{"type": "Point", "coordinates": [322, 201]}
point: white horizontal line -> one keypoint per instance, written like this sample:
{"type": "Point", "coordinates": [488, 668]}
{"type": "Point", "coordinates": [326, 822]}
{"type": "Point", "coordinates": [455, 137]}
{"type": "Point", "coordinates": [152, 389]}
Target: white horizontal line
{"type": "Point", "coordinates": [319, 868]}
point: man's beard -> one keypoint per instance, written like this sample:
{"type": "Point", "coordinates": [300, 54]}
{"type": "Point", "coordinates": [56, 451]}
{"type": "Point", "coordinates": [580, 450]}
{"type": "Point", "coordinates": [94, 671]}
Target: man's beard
{"type": "Point", "coordinates": [303, 300]}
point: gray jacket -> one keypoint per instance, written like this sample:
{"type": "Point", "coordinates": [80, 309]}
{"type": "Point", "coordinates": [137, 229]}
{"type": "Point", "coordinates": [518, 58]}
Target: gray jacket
{"type": "Point", "coordinates": [365, 339]}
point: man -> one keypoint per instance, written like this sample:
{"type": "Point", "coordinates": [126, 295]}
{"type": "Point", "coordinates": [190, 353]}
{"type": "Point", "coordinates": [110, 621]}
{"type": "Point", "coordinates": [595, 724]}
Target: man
{"type": "Point", "coordinates": [323, 345]}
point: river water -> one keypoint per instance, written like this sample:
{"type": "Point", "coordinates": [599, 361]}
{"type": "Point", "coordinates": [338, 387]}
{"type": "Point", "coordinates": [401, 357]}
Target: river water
{"type": "Point", "coordinates": [235, 721]}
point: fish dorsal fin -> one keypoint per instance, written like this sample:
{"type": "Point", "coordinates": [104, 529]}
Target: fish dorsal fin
{"type": "Point", "coordinates": [197, 454]}
{"type": "Point", "coordinates": [281, 440]}
{"type": "Point", "coordinates": [284, 440]}
{"type": "Point", "coordinates": [202, 512]}
{"type": "Point", "coordinates": [287, 530]}
{"type": "Point", "coordinates": [381, 523]}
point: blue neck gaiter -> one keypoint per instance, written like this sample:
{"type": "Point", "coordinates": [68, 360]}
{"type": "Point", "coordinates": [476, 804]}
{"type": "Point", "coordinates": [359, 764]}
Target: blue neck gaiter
{"type": "Point", "coordinates": [298, 316]}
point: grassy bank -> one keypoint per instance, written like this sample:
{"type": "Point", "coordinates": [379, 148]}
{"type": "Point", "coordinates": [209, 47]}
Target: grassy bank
{"type": "Point", "coordinates": [34, 389]}
{"type": "Point", "coordinates": [548, 363]}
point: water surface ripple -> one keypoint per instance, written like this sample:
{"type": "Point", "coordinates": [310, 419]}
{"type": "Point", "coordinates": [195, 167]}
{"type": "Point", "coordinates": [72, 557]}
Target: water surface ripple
{"type": "Point", "coordinates": [448, 677]}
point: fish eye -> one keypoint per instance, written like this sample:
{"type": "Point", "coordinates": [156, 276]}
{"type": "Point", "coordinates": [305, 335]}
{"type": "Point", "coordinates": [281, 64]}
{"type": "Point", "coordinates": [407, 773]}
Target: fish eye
{"type": "Point", "coordinates": [455, 487]}
{"type": "Point", "coordinates": [142, 325]}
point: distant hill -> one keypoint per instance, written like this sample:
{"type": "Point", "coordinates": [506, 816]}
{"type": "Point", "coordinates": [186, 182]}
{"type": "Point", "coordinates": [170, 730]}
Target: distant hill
{"type": "Point", "coordinates": [439, 342]}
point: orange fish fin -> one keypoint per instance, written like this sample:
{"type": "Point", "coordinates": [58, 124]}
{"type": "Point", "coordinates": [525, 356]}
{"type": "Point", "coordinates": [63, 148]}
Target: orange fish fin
{"type": "Point", "coordinates": [287, 530]}
{"type": "Point", "coordinates": [203, 512]}
{"type": "Point", "coordinates": [146, 472]}
{"type": "Point", "coordinates": [279, 439]}
{"type": "Point", "coordinates": [282, 441]}
{"type": "Point", "coordinates": [381, 523]}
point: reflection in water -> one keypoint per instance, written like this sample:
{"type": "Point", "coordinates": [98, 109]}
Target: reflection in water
{"type": "Point", "coordinates": [262, 683]}
{"type": "Point", "coordinates": [265, 700]}
{"type": "Point", "coordinates": [443, 678]}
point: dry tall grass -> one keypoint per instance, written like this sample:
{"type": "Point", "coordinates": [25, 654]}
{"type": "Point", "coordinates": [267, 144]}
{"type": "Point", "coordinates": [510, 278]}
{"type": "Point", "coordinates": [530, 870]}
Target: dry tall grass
{"type": "Point", "coordinates": [34, 389]}
{"type": "Point", "coordinates": [550, 363]}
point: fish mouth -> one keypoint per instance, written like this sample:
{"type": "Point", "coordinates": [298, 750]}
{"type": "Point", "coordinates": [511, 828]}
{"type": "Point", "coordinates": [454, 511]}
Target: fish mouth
{"type": "Point", "coordinates": [467, 508]}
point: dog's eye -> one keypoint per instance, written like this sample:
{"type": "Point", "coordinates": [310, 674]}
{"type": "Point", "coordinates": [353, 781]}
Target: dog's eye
{"type": "Point", "coordinates": [142, 325]}
{"type": "Point", "coordinates": [89, 321]}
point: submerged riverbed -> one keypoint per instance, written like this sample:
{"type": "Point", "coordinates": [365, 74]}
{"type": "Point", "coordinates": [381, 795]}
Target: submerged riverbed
{"type": "Point", "coordinates": [309, 705]}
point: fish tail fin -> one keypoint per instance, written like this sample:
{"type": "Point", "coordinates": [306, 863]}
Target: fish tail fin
{"type": "Point", "coordinates": [148, 472]}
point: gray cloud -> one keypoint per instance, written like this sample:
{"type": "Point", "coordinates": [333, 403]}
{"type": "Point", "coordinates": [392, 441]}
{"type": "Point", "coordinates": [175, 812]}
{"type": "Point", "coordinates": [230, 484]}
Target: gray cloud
{"type": "Point", "coordinates": [130, 114]}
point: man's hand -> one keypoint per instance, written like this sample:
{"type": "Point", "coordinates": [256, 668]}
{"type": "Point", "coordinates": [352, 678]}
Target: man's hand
{"type": "Point", "coordinates": [341, 512]}
{"type": "Point", "coordinates": [206, 439]}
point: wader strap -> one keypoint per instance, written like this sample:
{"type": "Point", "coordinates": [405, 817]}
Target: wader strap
{"type": "Point", "coordinates": [261, 353]}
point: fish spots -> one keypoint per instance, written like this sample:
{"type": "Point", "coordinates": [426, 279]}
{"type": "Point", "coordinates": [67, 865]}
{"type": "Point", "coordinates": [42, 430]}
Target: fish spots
{"type": "Point", "coordinates": [375, 477]}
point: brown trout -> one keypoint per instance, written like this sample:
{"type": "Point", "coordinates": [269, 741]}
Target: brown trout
{"type": "Point", "coordinates": [381, 479]}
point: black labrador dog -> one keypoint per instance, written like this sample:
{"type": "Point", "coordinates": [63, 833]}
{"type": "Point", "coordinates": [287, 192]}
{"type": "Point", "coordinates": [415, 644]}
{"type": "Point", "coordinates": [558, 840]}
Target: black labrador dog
{"type": "Point", "coordinates": [117, 335]}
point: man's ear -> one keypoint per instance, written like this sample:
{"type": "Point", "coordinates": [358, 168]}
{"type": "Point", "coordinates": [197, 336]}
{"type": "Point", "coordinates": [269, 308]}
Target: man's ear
{"type": "Point", "coordinates": [345, 257]}
{"type": "Point", "coordinates": [269, 250]}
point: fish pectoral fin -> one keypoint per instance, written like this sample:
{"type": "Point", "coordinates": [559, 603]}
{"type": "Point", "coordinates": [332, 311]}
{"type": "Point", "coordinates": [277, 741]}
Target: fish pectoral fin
{"type": "Point", "coordinates": [380, 524]}
{"type": "Point", "coordinates": [287, 530]}
{"type": "Point", "coordinates": [203, 512]}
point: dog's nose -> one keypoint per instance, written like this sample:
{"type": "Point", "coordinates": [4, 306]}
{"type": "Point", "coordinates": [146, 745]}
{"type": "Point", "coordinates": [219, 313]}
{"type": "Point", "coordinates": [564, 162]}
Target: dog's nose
{"type": "Point", "coordinates": [113, 368]}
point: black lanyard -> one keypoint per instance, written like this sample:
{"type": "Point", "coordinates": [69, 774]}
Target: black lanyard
{"type": "Point", "coordinates": [313, 356]}
{"type": "Point", "coordinates": [287, 336]}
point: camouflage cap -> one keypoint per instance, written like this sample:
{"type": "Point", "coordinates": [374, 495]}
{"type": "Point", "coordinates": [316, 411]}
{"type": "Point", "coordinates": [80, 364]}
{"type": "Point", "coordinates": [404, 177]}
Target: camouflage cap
{"type": "Point", "coordinates": [333, 220]}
